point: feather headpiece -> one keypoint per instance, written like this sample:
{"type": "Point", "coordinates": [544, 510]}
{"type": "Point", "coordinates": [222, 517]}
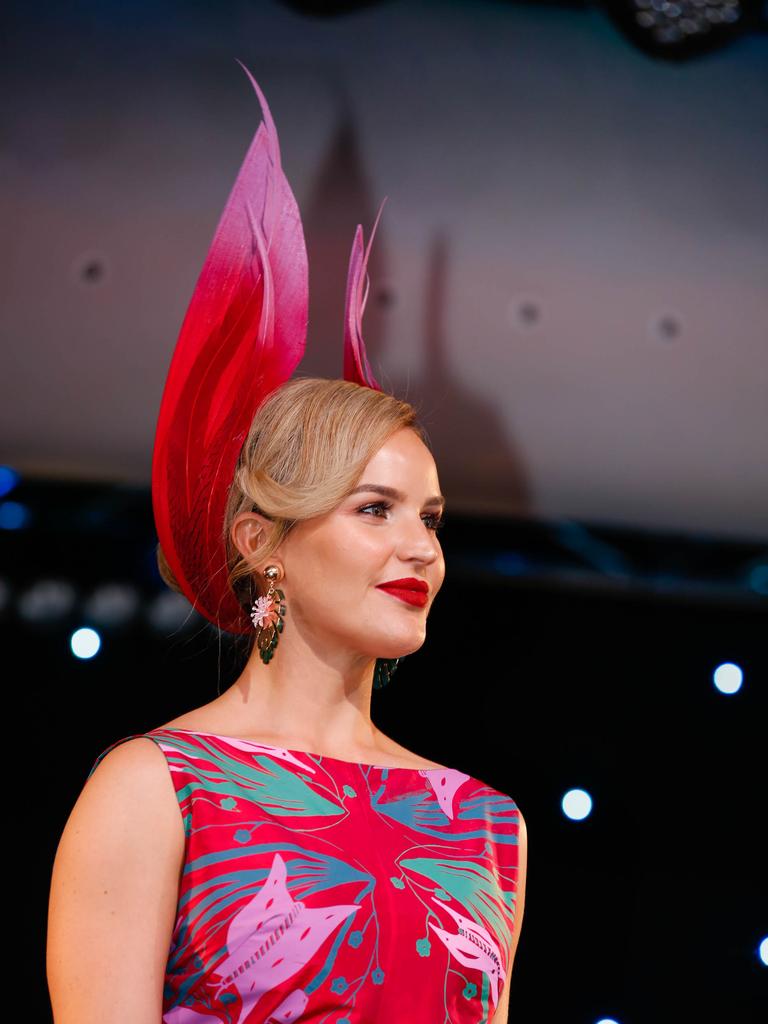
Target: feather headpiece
{"type": "Point", "coordinates": [243, 335]}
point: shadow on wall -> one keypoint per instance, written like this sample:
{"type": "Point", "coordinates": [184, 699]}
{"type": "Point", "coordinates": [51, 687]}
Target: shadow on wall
{"type": "Point", "coordinates": [480, 467]}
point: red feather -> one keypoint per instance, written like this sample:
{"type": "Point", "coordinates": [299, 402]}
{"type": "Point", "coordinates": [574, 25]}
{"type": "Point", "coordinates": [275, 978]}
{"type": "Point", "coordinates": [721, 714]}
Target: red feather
{"type": "Point", "coordinates": [243, 335]}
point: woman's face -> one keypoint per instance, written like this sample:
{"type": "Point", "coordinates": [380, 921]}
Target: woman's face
{"type": "Point", "coordinates": [334, 563]}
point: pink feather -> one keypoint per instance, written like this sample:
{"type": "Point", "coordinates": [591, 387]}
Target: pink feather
{"type": "Point", "coordinates": [356, 365]}
{"type": "Point", "coordinates": [243, 335]}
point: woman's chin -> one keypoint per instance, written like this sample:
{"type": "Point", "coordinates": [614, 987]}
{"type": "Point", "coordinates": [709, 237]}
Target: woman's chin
{"type": "Point", "coordinates": [402, 650]}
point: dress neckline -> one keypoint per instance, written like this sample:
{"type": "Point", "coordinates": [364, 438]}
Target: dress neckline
{"type": "Point", "coordinates": [307, 753]}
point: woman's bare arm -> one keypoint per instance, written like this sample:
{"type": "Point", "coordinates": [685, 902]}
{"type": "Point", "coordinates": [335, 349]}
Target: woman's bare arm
{"type": "Point", "coordinates": [114, 892]}
{"type": "Point", "coordinates": [501, 1012]}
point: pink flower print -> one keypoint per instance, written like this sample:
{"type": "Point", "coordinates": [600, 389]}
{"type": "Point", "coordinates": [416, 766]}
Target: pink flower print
{"type": "Point", "coordinates": [291, 1007]}
{"type": "Point", "coordinates": [271, 938]}
{"type": "Point", "coordinates": [474, 946]}
{"type": "Point", "coordinates": [248, 746]}
{"type": "Point", "coordinates": [263, 612]}
{"type": "Point", "coordinates": [445, 782]}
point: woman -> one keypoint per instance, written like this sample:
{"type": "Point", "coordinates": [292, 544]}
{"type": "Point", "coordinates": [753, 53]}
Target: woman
{"type": "Point", "coordinates": [273, 855]}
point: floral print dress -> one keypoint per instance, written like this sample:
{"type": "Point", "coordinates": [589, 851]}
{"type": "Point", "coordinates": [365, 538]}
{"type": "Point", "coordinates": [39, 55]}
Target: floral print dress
{"type": "Point", "coordinates": [321, 890]}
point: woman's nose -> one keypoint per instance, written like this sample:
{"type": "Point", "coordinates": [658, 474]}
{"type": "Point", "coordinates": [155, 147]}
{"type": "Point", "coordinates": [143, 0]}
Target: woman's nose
{"type": "Point", "coordinates": [418, 541]}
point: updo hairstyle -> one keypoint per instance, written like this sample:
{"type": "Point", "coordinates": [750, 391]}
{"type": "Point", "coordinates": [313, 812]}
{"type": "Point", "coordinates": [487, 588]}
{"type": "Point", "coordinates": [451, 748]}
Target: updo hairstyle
{"type": "Point", "coordinates": [306, 449]}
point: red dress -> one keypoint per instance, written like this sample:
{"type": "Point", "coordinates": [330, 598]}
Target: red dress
{"type": "Point", "coordinates": [321, 890]}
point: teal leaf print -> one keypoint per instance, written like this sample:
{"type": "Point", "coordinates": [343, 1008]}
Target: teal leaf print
{"type": "Point", "coordinates": [275, 785]}
{"type": "Point", "coordinates": [473, 886]}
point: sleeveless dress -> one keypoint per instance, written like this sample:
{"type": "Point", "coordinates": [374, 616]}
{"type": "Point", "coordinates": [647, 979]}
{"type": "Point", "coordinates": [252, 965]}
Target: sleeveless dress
{"type": "Point", "coordinates": [321, 890]}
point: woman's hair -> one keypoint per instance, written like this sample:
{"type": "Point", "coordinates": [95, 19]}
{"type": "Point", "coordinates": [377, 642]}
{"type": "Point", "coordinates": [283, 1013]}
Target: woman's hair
{"type": "Point", "coordinates": [306, 449]}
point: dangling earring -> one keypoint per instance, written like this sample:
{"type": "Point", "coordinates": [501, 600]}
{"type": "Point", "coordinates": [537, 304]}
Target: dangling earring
{"type": "Point", "coordinates": [385, 669]}
{"type": "Point", "coordinates": [267, 615]}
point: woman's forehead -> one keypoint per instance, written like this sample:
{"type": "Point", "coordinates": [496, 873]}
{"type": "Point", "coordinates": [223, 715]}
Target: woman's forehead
{"type": "Point", "coordinates": [404, 452]}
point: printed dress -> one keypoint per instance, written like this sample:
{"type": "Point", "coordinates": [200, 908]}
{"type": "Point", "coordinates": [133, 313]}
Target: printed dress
{"type": "Point", "coordinates": [320, 890]}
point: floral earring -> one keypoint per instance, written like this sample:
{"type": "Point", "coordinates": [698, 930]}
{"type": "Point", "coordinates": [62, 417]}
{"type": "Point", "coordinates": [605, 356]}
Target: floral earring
{"type": "Point", "coordinates": [267, 615]}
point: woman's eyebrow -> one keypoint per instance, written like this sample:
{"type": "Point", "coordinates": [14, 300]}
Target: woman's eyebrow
{"type": "Point", "coordinates": [392, 492]}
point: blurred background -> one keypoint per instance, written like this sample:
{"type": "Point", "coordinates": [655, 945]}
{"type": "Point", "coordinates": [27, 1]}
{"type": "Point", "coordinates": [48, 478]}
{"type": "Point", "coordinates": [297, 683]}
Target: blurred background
{"type": "Point", "coordinates": [569, 282]}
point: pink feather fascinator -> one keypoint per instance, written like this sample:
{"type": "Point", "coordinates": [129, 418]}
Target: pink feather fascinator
{"type": "Point", "coordinates": [243, 335]}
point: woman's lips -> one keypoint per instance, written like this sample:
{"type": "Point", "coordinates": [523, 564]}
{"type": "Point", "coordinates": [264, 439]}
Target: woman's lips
{"type": "Point", "coordinates": [417, 597]}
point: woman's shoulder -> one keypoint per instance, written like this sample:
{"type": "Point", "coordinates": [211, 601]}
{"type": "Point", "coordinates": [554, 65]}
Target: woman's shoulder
{"type": "Point", "coordinates": [128, 802]}
{"type": "Point", "coordinates": [132, 760]}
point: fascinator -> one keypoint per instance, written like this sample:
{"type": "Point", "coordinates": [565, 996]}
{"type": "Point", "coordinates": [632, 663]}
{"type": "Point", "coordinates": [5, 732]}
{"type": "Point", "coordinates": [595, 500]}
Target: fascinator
{"type": "Point", "coordinates": [243, 335]}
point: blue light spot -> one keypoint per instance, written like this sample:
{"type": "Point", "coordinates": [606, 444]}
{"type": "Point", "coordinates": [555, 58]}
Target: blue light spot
{"type": "Point", "coordinates": [758, 579]}
{"type": "Point", "coordinates": [13, 515]}
{"type": "Point", "coordinates": [9, 478]}
{"type": "Point", "coordinates": [510, 563]}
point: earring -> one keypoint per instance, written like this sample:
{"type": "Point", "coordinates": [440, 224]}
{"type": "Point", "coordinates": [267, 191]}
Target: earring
{"type": "Point", "coordinates": [267, 615]}
{"type": "Point", "coordinates": [385, 669]}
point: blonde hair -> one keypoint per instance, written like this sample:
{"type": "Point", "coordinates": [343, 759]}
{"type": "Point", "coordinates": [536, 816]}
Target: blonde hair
{"type": "Point", "coordinates": [307, 447]}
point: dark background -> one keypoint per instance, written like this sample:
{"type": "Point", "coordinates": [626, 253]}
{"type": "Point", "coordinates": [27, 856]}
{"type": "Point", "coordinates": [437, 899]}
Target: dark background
{"type": "Point", "coordinates": [541, 672]}
{"type": "Point", "coordinates": [568, 280]}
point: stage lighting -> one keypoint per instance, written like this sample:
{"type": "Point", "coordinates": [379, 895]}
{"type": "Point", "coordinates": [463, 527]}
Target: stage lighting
{"type": "Point", "coordinates": [111, 604]}
{"type": "Point", "coordinates": [728, 677]}
{"type": "Point", "coordinates": [46, 601]}
{"type": "Point", "coordinates": [13, 515]}
{"type": "Point", "coordinates": [85, 643]}
{"type": "Point", "coordinates": [680, 29]}
{"type": "Point", "coordinates": [577, 804]}
{"type": "Point", "coordinates": [170, 611]}
{"type": "Point", "coordinates": [8, 479]}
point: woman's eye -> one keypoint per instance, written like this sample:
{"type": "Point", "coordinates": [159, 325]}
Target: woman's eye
{"type": "Point", "coordinates": [437, 520]}
{"type": "Point", "coordinates": [377, 505]}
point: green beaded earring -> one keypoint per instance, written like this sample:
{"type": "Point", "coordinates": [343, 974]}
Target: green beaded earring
{"type": "Point", "coordinates": [385, 669]}
{"type": "Point", "coordinates": [267, 615]}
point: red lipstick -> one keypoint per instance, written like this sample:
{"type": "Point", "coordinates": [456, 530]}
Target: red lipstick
{"type": "Point", "coordinates": [410, 589]}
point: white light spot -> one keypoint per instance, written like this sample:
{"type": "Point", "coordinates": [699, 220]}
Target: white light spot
{"type": "Point", "coordinates": [85, 642]}
{"type": "Point", "coordinates": [728, 677]}
{"type": "Point", "coordinates": [577, 804]}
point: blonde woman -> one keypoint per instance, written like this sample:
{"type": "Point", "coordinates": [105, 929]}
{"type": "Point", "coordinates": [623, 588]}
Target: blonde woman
{"type": "Point", "coordinates": [273, 855]}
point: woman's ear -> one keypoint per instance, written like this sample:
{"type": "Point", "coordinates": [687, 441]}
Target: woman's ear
{"type": "Point", "coordinates": [249, 531]}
